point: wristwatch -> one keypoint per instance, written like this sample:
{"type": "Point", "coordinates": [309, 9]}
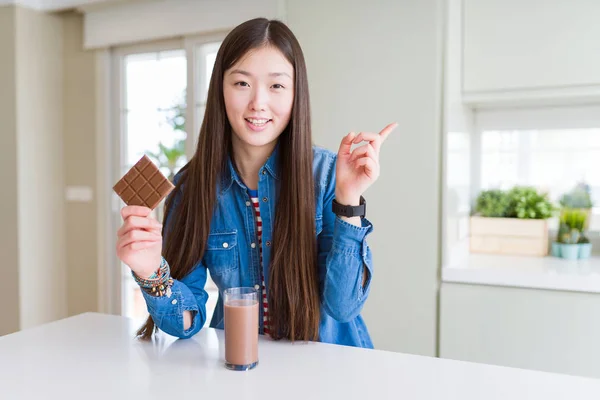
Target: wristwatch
{"type": "Point", "coordinates": [350, 211]}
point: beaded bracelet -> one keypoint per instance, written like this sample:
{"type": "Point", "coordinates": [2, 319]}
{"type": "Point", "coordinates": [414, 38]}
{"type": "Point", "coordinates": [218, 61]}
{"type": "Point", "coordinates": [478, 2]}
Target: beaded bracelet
{"type": "Point", "coordinates": [161, 290]}
{"type": "Point", "coordinates": [157, 277]}
{"type": "Point", "coordinates": [159, 283]}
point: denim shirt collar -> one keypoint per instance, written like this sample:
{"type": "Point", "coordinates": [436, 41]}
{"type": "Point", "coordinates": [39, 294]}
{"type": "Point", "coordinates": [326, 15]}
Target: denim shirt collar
{"type": "Point", "coordinates": [230, 174]}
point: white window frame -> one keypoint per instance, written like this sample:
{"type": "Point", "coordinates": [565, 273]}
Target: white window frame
{"type": "Point", "coordinates": [194, 70]}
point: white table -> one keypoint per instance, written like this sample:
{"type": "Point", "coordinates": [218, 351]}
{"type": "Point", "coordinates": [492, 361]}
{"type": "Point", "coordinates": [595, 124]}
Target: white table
{"type": "Point", "coordinates": [94, 356]}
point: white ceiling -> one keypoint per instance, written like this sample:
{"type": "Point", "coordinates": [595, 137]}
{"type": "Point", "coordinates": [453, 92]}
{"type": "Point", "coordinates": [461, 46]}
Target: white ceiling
{"type": "Point", "coordinates": [59, 5]}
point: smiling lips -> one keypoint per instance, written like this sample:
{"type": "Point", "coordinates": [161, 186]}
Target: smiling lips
{"type": "Point", "coordinates": [257, 124]}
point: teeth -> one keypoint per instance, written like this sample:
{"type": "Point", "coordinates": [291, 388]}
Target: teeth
{"type": "Point", "coordinates": [258, 121]}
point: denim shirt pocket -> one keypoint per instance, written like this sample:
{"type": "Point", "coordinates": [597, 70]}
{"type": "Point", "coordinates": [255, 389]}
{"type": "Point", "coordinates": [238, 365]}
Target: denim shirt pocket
{"type": "Point", "coordinates": [221, 257]}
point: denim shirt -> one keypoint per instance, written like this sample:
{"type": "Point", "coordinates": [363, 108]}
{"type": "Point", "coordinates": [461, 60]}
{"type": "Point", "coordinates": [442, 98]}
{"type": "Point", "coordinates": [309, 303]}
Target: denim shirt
{"type": "Point", "coordinates": [233, 258]}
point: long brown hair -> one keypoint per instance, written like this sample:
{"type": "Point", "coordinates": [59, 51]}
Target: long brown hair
{"type": "Point", "coordinates": [294, 301]}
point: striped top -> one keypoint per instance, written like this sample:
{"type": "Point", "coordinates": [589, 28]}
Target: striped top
{"type": "Point", "coordinates": [254, 198]}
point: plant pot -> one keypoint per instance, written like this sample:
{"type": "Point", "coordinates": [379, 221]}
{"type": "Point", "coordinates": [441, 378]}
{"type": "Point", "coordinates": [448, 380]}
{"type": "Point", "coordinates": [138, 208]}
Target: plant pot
{"type": "Point", "coordinates": [585, 250]}
{"type": "Point", "coordinates": [509, 236]}
{"type": "Point", "coordinates": [569, 251]}
{"type": "Point", "coordinates": [556, 249]}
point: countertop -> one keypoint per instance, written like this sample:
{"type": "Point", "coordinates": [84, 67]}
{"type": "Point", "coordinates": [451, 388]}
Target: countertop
{"type": "Point", "coordinates": [550, 273]}
{"type": "Point", "coordinates": [95, 356]}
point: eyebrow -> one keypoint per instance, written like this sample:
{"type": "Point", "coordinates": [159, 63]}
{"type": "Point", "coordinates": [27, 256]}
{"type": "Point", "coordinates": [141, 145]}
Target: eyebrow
{"type": "Point", "coordinates": [246, 73]}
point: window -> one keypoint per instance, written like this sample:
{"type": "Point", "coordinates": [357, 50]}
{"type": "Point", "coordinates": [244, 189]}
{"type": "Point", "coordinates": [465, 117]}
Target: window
{"type": "Point", "coordinates": [552, 160]}
{"type": "Point", "coordinates": [152, 117]}
{"type": "Point", "coordinates": [562, 153]}
{"type": "Point", "coordinates": [162, 92]}
{"type": "Point", "coordinates": [154, 113]}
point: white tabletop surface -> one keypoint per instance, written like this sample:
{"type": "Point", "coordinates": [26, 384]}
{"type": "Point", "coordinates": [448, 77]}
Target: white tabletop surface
{"type": "Point", "coordinates": [94, 356]}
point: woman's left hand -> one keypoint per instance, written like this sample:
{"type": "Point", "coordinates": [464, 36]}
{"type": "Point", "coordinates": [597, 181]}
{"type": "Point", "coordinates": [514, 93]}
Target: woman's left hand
{"type": "Point", "coordinates": [357, 169]}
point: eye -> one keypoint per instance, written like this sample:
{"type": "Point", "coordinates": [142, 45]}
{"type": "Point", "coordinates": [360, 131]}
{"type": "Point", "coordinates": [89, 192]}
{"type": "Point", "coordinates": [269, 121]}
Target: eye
{"type": "Point", "coordinates": [277, 86]}
{"type": "Point", "coordinates": [242, 84]}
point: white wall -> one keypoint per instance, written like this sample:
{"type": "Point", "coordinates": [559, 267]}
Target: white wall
{"type": "Point", "coordinates": [525, 328]}
{"type": "Point", "coordinates": [79, 130]}
{"type": "Point", "coordinates": [32, 217]}
{"type": "Point", "coordinates": [370, 64]}
{"type": "Point", "coordinates": [42, 280]}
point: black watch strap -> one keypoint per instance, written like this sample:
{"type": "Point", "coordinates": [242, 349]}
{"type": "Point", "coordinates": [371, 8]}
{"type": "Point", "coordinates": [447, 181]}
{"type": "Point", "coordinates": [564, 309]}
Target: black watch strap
{"type": "Point", "coordinates": [350, 211]}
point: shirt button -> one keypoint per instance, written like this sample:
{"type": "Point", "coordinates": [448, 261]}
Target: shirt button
{"type": "Point", "coordinates": [265, 199]}
{"type": "Point", "coordinates": [247, 204]}
{"type": "Point", "coordinates": [256, 287]}
{"type": "Point", "coordinates": [253, 245]}
{"type": "Point", "coordinates": [225, 245]}
{"type": "Point", "coordinates": [268, 243]}
{"type": "Point", "coordinates": [174, 301]}
{"type": "Point", "coordinates": [264, 172]}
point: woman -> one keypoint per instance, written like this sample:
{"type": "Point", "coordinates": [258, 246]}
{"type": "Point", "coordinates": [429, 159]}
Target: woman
{"type": "Point", "coordinates": [255, 206]}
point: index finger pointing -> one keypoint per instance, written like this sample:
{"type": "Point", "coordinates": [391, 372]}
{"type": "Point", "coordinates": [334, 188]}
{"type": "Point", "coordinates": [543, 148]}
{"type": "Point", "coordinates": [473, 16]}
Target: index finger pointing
{"type": "Point", "coordinates": [387, 130]}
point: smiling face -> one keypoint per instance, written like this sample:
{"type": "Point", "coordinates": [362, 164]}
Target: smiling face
{"type": "Point", "coordinates": [259, 94]}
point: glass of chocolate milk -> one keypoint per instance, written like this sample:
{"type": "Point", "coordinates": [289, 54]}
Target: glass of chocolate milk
{"type": "Point", "coordinates": [241, 328]}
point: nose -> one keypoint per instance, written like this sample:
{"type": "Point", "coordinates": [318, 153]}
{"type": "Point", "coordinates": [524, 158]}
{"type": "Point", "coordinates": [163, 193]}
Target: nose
{"type": "Point", "coordinates": [259, 100]}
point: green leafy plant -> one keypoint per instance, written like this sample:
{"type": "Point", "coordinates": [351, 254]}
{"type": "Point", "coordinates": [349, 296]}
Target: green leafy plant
{"type": "Point", "coordinates": [492, 203]}
{"type": "Point", "coordinates": [572, 225]}
{"type": "Point", "coordinates": [526, 202]}
{"type": "Point", "coordinates": [168, 157]}
{"type": "Point", "coordinates": [578, 197]}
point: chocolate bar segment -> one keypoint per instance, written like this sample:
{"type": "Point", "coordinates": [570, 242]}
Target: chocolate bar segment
{"type": "Point", "coordinates": [143, 185]}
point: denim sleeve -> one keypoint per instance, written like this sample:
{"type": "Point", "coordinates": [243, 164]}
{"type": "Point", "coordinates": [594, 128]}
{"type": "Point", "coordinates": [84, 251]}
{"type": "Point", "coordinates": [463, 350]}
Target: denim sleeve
{"type": "Point", "coordinates": [187, 294]}
{"type": "Point", "coordinates": [343, 252]}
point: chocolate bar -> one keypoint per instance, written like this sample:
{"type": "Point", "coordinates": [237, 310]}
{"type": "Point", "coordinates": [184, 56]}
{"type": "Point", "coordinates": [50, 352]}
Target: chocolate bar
{"type": "Point", "coordinates": [143, 185]}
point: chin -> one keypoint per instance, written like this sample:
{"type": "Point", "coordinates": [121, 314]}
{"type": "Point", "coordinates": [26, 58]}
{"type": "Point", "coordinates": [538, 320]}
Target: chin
{"type": "Point", "coordinates": [258, 139]}
{"type": "Point", "coordinates": [259, 143]}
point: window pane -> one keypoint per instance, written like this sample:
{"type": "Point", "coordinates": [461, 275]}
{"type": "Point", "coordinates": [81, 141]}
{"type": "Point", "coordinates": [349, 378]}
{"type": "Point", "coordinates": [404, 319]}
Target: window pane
{"type": "Point", "coordinates": [156, 103]}
{"type": "Point", "coordinates": [155, 80]}
{"type": "Point", "coordinates": [551, 160]}
{"type": "Point", "coordinates": [210, 63]}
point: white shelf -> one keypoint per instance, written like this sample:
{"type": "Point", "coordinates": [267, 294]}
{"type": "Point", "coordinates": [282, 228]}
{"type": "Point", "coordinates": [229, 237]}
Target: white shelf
{"type": "Point", "coordinates": [549, 273]}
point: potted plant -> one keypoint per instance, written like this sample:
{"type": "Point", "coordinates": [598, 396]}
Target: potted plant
{"type": "Point", "coordinates": [492, 204]}
{"type": "Point", "coordinates": [525, 202]}
{"type": "Point", "coordinates": [572, 243]}
{"type": "Point", "coordinates": [585, 247]}
{"type": "Point", "coordinates": [578, 198]}
{"type": "Point", "coordinates": [511, 222]}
